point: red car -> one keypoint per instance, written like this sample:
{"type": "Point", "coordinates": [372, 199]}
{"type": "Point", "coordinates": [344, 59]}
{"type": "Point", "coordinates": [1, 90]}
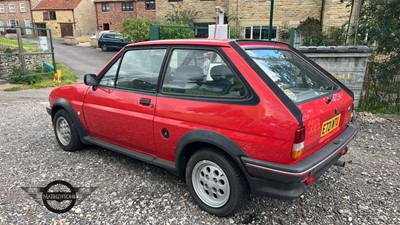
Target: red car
{"type": "Point", "coordinates": [231, 117]}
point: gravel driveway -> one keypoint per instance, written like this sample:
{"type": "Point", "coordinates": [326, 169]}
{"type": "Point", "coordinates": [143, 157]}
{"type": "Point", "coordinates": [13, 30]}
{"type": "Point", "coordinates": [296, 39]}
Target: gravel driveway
{"type": "Point", "coordinates": [366, 191]}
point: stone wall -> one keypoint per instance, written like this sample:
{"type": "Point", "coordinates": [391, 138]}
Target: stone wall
{"type": "Point", "coordinates": [206, 9]}
{"type": "Point", "coordinates": [85, 19]}
{"type": "Point", "coordinates": [336, 13]}
{"type": "Point", "coordinates": [10, 62]}
{"type": "Point", "coordinates": [347, 63]}
{"type": "Point", "coordinates": [257, 12]}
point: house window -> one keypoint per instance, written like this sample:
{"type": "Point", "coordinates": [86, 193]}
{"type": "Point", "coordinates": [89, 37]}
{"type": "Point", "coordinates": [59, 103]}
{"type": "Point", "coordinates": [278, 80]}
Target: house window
{"type": "Point", "coordinates": [105, 7]}
{"type": "Point", "coordinates": [150, 4]}
{"type": "Point", "coordinates": [13, 23]}
{"type": "Point", "coordinates": [2, 8]}
{"type": "Point", "coordinates": [11, 7]}
{"type": "Point", "coordinates": [258, 32]}
{"type": "Point", "coordinates": [1, 26]}
{"type": "Point", "coordinates": [50, 15]}
{"type": "Point", "coordinates": [127, 6]}
{"type": "Point", "coordinates": [22, 7]}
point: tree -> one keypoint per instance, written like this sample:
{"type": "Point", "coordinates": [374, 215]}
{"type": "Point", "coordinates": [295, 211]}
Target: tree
{"type": "Point", "coordinates": [379, 27]}
{"type": "Point", "coordinates": [136, 29]}
{"type": "Point", "coordinates": [181, 15]}
{"type": "Point", "coordinates": [380, 23]}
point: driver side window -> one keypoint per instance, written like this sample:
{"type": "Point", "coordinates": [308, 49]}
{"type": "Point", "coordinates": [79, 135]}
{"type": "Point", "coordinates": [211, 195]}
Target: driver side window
{"type": "Point", "coordinates": [136, 70]}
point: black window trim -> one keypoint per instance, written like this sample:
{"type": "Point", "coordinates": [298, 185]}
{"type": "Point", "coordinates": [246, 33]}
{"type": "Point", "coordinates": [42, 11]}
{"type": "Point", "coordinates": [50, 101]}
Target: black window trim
{"type": "Point", "coordinates": [120, 56]}
{"type": "Point", "coordinates": [251, 97]}
{"type": "Point", "coordinates": [290, 105]}
{"type": "Point", "coordinates": [305, 61]}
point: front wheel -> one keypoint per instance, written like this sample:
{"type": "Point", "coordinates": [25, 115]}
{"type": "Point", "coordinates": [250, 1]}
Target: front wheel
{"type": "Point", "coordinates": [215, 182]}
{"type": "Point", "coordinates": [65, 131]}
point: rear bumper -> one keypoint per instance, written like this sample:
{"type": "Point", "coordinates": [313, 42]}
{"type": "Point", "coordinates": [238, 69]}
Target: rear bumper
{"type": "Point", "coordinates": [288, 181]}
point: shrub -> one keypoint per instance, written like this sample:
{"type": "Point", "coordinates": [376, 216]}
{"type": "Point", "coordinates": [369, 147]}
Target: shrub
{"type": "Point", "coordinates": [311, 31]}
{"type": "Point", "coordinates": [11, 31]}
{"type": "Point", "coordinates": [284, 31]}
{"type": "Point", "coordinates": [136, 29]}
{"type": "Point", "coordinates": [335, 36]}
{"type": "Point", "coordinates": [28, 77]}
{"type": "Point", "coordinates": [174, 32]}
{"type": "Point", "coordinates": [181, 15]}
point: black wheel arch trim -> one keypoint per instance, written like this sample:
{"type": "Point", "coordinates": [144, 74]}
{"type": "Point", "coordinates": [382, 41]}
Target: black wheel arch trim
{"type": "Point", "coordinates": [210, 138]}
{"type": "Point", "coordinates": [62, 103]}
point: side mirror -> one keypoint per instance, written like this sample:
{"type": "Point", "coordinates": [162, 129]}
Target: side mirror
{"type": "Point", "coordinates": [91, 80]}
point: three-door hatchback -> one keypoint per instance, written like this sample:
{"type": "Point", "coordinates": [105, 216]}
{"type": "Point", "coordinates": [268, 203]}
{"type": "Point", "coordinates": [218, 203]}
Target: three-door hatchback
{"type": "Point", "coordinates": [231, 117]}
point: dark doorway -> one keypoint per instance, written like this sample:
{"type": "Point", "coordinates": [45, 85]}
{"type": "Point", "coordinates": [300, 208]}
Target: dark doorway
{"type": "Point", "coordinates": [106, 26]}
{"type": "Point", "coordinates": [66, 29]}
{"type": "Point", "coordinates": [41, 32]}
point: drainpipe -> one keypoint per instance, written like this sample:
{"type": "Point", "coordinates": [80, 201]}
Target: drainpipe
{"type": "Point", "coordinates": [30, 10]}
{"type": "Point", "coordinates": [97, 20]}
{"type": "Point", "coordinates": [321, 17]}
{"type": "Point", "coordinates": [73, 17]}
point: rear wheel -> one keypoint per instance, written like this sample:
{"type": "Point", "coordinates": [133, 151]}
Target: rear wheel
{"type": "Point", "coordinates": [215, 182]}
{"type": "Point", "coordinates": [104, 47]}
{"type": "Point", "coordinates": [65, 131]}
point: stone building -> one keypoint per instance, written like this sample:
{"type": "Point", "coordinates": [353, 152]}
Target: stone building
{"type": "Point", "coordinates": [16, 13]}
{"type": "Point", "coordinates": [251, 17]}
{"type": "Point", "coordinates": [111, 13]}
{"type": "Point", "coordinates": [75, 18]}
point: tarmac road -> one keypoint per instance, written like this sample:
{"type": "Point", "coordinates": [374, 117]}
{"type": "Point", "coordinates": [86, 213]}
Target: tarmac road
{"type": "Point", "coordinates": [81, 60]}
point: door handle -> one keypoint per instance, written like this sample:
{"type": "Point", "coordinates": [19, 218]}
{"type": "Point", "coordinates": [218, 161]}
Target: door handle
{"type": "Point", "coordinates": [145, 101]}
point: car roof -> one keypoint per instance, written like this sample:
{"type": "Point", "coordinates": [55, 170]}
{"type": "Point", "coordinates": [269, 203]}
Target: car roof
{"type": "Point", "coordinates": [213, 42]}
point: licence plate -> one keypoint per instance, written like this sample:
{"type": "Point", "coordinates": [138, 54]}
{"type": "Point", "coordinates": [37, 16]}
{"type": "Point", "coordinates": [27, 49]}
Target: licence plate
{"type": "Point", "coordinates": [330, 125]}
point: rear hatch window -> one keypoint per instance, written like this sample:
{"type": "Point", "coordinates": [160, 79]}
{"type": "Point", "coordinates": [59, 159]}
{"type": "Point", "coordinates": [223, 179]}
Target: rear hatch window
{"type": "Point", "coordinates": [323, 104]}
{"type": "Point", "coordinates": [299, 80]}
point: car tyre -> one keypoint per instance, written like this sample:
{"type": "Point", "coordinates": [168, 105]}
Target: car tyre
{"type": "Point", "coordinates": [104, 47]}
{"type": "Point", "coordinates": [65, 131]}
{"type": "Point", "coordinates": [215, 182]}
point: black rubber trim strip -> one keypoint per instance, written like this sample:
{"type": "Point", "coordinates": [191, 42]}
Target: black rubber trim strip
{"type": "Point", "coordinates": [302, 170]}
{"type": "Point", "coordinates": [278, 92]}
{"type": "Point", "coordinates": [134, 154]}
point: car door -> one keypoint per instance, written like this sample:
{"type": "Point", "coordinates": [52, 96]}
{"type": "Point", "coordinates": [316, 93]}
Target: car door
{"type": "Point", "coordinates": [121, 109]}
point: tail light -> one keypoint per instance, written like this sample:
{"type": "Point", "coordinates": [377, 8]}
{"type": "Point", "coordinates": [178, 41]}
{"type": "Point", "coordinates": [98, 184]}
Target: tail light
{"type": "Point", "coordinates": [298, 144]}
{"type": "Point", "coordinates": [351, 110]}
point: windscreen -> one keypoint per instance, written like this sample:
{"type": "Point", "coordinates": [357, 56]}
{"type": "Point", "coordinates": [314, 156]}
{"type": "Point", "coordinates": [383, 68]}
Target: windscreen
{"type": "Point", "coordinates": [298, 79]}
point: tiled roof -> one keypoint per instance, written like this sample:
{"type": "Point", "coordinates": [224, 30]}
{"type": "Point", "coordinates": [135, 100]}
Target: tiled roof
{"type": "Point", "coordinates": [57, 4]}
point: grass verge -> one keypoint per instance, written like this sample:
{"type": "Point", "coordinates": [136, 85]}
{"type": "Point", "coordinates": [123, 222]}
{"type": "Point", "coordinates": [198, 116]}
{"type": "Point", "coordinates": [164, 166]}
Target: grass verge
{"type": "Point", "coordinates": [13, 43]}
{"type": "Point", "coordinates": [67, 77]}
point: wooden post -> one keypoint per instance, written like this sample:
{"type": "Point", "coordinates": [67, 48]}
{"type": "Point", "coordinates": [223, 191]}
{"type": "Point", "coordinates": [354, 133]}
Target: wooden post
{"type": "Point", "coordinates": [21, 49]}
{"type": "Point", "coordinates": [353, 22]}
